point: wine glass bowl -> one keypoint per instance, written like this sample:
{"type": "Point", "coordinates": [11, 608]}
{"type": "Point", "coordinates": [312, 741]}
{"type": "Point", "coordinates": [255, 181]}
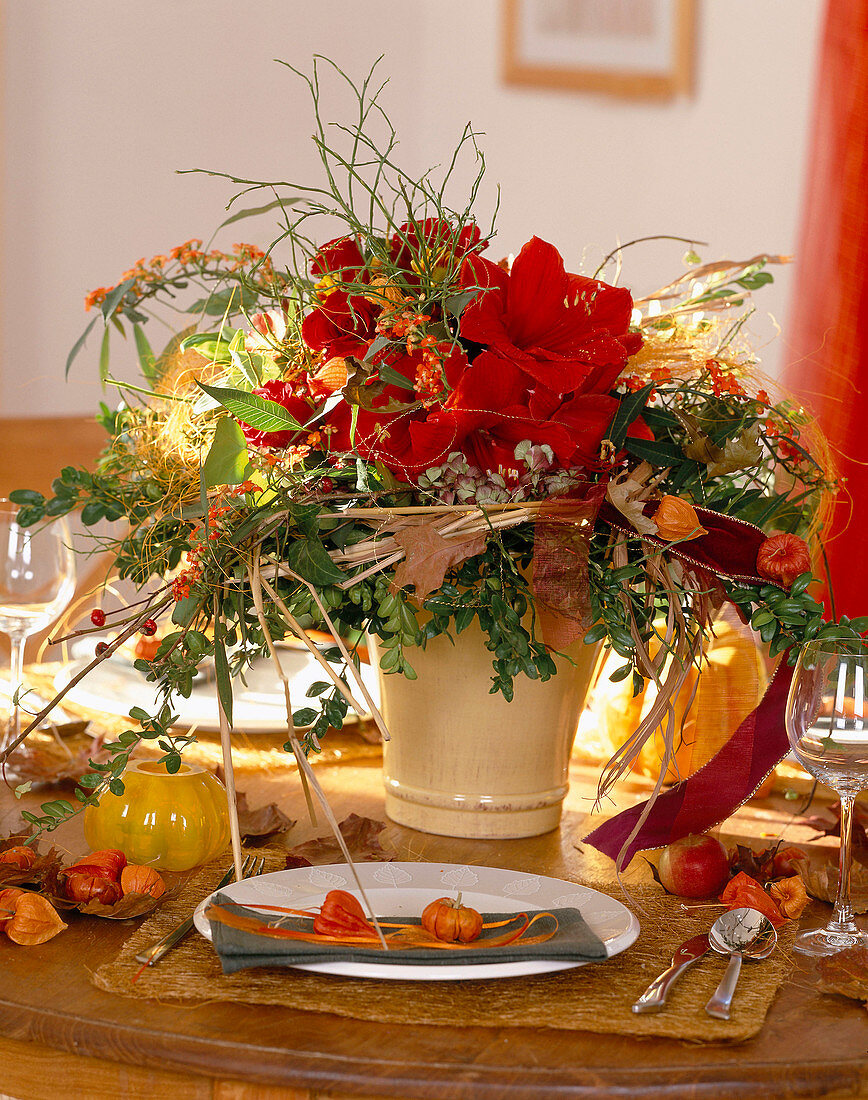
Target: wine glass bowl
{"type": "Point", "coordinates": [827, 726]}
{"type": "Point", "coordinates": [37, 581]}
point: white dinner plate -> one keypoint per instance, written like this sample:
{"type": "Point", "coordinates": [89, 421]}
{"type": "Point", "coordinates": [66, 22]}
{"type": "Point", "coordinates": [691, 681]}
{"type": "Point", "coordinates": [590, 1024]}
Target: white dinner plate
{"type": "Point", "coordinates": [404, 889]}
{"type": "Point", "coordinates": [115, 686]}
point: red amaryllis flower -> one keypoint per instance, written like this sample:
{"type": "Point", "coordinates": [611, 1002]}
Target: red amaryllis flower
{"type": "Point", "coordinates": [341, 325]}
{"type": "Point", "coordinates": [437, 237]}
{"type": "Point", "coordinates": [782, 558]}
{"type": "Point", "coordinates": [281, 392]}
{"type": "Point", "coordinates": [341, 259]}
{"type": "Point", "coordinates": [567, 332]}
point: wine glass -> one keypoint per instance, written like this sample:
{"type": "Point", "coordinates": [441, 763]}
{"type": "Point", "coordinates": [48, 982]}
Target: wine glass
{"type": "Point", "coordinates": [827, 724]}
{"type": "Point", "coordinates": [37, 581]}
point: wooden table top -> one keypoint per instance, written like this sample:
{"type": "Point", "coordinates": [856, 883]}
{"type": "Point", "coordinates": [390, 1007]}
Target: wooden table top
{"type": "Point", "coordinates": [61, 1036]}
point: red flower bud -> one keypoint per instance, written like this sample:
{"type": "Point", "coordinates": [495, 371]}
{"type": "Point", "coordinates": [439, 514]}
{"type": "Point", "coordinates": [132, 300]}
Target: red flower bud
{"type": "Point", "coordinates": [782, 558]}
{"type": "Point", "coordinates": [97, 617]}
{"type": "Point", "coordinates": [148, 627]}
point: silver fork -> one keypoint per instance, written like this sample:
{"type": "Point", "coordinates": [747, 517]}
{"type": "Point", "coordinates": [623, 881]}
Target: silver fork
{"type": "Point", "coordinates": [251, 867]}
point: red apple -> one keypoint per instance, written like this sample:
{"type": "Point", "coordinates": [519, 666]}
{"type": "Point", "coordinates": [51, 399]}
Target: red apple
{"type": "Point", "coordinates": [694, 867]}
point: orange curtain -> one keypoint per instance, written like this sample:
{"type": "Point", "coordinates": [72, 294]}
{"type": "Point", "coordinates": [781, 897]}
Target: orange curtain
{"type": "Point", "coordinates": [828, 357]}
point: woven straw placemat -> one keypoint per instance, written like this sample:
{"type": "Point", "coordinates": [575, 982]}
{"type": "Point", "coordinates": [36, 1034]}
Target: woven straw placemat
{"type": "Point", "coordinates": [589, 998]}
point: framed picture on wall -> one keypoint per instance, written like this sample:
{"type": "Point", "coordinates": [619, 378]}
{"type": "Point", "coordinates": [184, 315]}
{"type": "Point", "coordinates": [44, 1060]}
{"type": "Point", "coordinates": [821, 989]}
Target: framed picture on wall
{"type": "Point", "coordinates": [639, 48]}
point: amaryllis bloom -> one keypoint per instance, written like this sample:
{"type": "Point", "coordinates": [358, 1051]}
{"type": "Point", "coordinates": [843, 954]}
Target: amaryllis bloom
{"type": "Point", "coordinates": [782, 558]}
{"type": "Point", "coordinates": [342, 323]}
{"type": "Point", "coordinates": [567, 332]}
{"type": "Point", "coordinates": [438, 237]}
{"type": "Point", "coordinates": [339, 261]}
{"type": "Point", "coordinates": [281, 392]}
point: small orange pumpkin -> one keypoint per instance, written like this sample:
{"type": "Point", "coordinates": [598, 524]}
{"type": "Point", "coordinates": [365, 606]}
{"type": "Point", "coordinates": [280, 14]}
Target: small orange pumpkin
{"type": "Point", "coordinates": [137, 879]}
{"type": "Point", "coordinates": [448, 920]}
{"type": "Point", "coordinates": [35, 920]}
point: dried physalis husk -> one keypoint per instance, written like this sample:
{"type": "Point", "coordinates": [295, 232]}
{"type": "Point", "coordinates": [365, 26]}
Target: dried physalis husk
{"type": "Point", "coordinates": [8, 898]}
{"type": "Point", "coordinates": [35, 920]}
{"type": "Point", "coordinates": [677, 520]}
{"type": "Point", "coordinates": [790, 896]}
{"type": "Point", "coordinates": [20, 856]}
{"type": "Point", "coordinates": [136, 879]}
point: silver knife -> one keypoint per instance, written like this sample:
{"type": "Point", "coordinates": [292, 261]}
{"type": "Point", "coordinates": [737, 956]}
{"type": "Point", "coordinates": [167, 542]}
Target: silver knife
{"type": "Point", "coordinates": [690, 952]}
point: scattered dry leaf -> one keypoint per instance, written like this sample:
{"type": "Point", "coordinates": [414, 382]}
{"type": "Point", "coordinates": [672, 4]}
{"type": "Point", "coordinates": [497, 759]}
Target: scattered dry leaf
{"type": "Point", "coordinates": [428, 557]}
{"type": "Point", "coordinates": [129, 906]}
{"type": "Point", "coordinates": [628, 493]}
{"type": "Point", "coordinates": [822, 883]}
{"type": "Point", "coordinates": [11, 874]}
{"type": "Point", "coordinates": [739, 454]}
{"type": "Point", "coordinates": [263, 822]}
{"type": "Point", "coordinates": [701, 447]}
{"type": "Point", "coordinates": [846, 973]}
{"type": "Point", "coordinates": [361, 835]}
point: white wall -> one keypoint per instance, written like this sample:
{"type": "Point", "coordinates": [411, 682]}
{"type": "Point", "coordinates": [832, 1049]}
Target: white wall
{"type": "Point", "coordinates": [105, 99]}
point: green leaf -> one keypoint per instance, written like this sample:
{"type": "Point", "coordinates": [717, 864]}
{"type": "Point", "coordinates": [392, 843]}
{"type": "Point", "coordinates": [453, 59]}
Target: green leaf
{"type": "Point", "coordinates": [654, 451]}
{"type": "Point", "coordinates": [232, 300]}
{"type": "Point", "coordinates": [457, 303]}
{"type": "Point", "coordinates": [77, 346]}
{"type": "Point", "coordinates": [221, 665]}
{"type": "Point", "coordinates": [111, 301]}
{"type": "Point", "coordinates": [252, 211]}
{"type": "Point", "coordinates": [258, 412]}
{"type": "Point", "coordinates": [147, 358]}
{"type": "Point", "coordinates": [227, 458]}
{"type": "Point", "coordinates": [92, 513]}
{"type": "Point", "coordinates": [104, 356]}
{"type": "Point", "coordinates": [247, 364]}
{"type": "Point", "coordinates": [393, 377]}
{"type": "Point", "coordinates": [309, 558]}
{"type": "Point", "coordinates": [26, 496]}
{"type": "Point", "coordinates": [629, 408]}
{"type": "Point", "coordinates": [305, 717]}
{"type": "Point", "coordinates": [185, 610]}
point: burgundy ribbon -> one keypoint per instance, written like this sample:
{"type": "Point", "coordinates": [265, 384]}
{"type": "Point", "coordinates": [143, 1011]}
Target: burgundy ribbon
{"type": "Point", "coordinates": [729, 779]}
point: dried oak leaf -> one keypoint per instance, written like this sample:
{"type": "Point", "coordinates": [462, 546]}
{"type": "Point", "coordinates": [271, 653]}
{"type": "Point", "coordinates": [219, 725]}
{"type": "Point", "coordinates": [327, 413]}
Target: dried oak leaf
{"type": "Point", "coordinates": [361, 835]}
{"type": "Point", "coordinates": [263, 822]}
{"type": "Point", "coordinates": [43, 866]}
{"type": "Point", "coordinates": [846, 973]}
{"type": "Point", "coordinates": [428, 557]}
{"type": "Point", "coordinates": [739, 454]}
{"type": "Point", "coordinates": [822, 884]}
{"type": "Point", "coordinates": [129, 906]}
{"type": "Point", "coordinates": [628, 493]}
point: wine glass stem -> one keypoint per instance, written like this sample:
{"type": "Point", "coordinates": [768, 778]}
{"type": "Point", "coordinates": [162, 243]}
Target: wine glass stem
{"type": "Point", "coordinates": [842, 919]}
{"type": "Point", "coordinates": [16, 678]}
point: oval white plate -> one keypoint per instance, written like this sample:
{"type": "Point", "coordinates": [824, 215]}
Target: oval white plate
{"type": "Point", "coordinates": [404, 889]}
{"type": "Point", "coordinates": [115, 685]}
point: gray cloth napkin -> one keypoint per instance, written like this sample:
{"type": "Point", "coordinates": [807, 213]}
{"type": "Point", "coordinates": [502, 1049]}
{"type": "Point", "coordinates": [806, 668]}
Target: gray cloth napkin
{"type": "Point", "coordinates": [238, 950]}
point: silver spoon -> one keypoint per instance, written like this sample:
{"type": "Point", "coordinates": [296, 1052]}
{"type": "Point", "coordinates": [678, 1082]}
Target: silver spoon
{"type": "Point", "coordinates": [740, 933]}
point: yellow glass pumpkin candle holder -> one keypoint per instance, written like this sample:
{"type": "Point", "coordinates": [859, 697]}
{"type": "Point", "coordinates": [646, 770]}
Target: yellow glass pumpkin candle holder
{"type": "Point", "coordinates": [169, 821]}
